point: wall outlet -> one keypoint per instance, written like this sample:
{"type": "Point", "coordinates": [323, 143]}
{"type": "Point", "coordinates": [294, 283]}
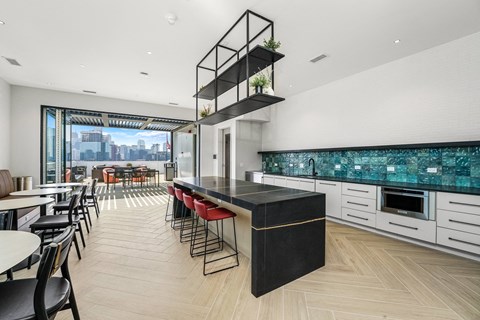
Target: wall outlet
{"type": "Point", "coordinates": [338, 167]}
{"type": "Point", "coordinates": [390, 169]}
{"type": "Point", "coordinates": [432, 170]}
{"type": "Point", "coordinates": [302, 165]}
{"type": "Point", "coordinates": [357, 167]}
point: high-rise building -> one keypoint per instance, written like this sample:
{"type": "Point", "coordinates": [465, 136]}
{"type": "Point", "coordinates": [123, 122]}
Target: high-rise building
{"type": "Point", "coordinates": [92, 136]}
{"type": "Point", "coordinates": [141, 144]}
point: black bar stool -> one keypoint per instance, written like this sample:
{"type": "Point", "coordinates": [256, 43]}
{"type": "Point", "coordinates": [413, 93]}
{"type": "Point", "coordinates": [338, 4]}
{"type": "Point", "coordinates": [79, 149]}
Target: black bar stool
{"type": "Point", "coordinates": [215, 214]}
{"type": "Point", "coordinates": [186, 223]}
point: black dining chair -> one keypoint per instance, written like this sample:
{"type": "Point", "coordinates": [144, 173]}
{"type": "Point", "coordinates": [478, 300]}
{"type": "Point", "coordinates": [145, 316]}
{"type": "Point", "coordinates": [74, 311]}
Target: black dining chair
{"type": "Point", "coordinates": [82, 206]}
{"type": "Point", "coordinates": [42, 297]}
{"type": "Point", "coordinates": [91, 197]}
{"type": "Point", "coordinates": [60, 222]}
{"type": "Point", "coordinates": [6, 223]}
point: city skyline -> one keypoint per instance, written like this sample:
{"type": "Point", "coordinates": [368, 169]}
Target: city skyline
{"type": "Point", "coordinates": [128, 137]}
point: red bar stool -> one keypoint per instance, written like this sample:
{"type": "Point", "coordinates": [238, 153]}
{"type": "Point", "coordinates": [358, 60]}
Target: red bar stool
{"type": "Point", "coordinates": [215, 214]}
{"type": "Point", "coordinates": [186, 223]}
{"type": "Point", "coordinates": [171, 194]}
{"type": "Point", "coordinates": [188, 202]}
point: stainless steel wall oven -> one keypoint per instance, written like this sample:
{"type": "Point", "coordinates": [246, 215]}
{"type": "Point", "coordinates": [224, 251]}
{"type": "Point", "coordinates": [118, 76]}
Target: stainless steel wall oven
{"type": "Point", "coordinates": [406, 202]}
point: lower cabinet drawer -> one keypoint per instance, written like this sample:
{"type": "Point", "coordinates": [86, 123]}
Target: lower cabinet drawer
{"type": "Point", "coordinates": [409, 227]}
{"type": "Point", "coordinates": [360, 217]}
{"type": "Point", "coordinates": [459, 240]}
{"type": "Point", "coordinates": [357, 203]}
{"type": "Point", "coordinates": [458, 221]}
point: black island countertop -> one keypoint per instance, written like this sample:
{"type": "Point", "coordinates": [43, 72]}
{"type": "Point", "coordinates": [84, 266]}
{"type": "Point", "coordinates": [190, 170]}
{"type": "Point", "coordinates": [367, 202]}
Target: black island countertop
{"type": "Point", "coordinates": [244, 194]}
{"type": "Point", "coordinates": [407, 185]}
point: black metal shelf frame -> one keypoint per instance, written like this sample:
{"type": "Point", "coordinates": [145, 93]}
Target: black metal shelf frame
{"type": "Point", "coordinates": [257, 58]}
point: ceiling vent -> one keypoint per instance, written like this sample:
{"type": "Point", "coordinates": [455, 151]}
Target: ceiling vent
{"type": "Point", "coordinates": [13, 62]}
{"type": "Point", "coordinates": [173, 103]}
{"type": "Point", "coordinates": [89, 91]}
{"type": "Point", "coordinates": [320, 57]}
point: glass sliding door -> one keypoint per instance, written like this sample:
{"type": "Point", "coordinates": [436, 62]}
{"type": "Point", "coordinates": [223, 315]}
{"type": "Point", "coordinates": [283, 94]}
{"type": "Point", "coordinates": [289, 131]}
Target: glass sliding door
{"type": "Point", "coordinates": [56, 149]}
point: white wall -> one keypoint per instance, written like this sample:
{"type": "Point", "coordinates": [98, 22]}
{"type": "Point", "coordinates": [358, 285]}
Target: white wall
{"type": "Point", "coordinates": [248, 143]}
{"type": "Point", "coordinates": [4, 125]}
{"type": "Point", "coordinates": [432, 96]}
{"type": "Point", "coordinates": [207, 151]}
{"type": "Point", "coordinates": [25, 120]}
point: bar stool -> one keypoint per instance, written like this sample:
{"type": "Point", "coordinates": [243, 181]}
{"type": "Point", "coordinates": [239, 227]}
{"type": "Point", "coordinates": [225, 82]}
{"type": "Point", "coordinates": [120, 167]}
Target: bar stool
{"type": "Point", "coordinates": [184, 237]}
{"type": "Point", "coordinates": [171, 194]}
{"type": "Point", "coordinates": [215, 214]}
{"type": "Point", "coordinates": [188, 202]}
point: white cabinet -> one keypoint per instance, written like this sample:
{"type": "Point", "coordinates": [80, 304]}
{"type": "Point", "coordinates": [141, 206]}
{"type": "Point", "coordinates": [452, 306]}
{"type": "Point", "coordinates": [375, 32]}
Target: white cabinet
{"type": "Point", "coordinates": [458, 221]}
{"type": "Point", "coordinates": [280, 181]}
{"type": "Point", "coordinates": [333, 197]}
{"type": "Point", "coordinates": [292, 183]}
{"type": "Point", "coordinates": [269, 180]}
{"type": "Point", "coordinates": [257, 177]}
{"type": "Point", "coordinates": [359, 190]}
{"type": "Point", "coordinates": [359, 203]}
{"type": "Point", "coordinates": [410, 227]}
{"type": "Point", "coordinates": [306, 185]}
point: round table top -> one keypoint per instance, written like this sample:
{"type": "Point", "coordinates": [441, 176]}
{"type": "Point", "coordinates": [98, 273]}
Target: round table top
{"type": "Point", "coordinates": [60, 185]}
{"type": "Point", "coordinates": [16, 246]}
{"type": "Point", "coordinates": [40, 192]}
{"type": "Point", "coordinates": [20, 203]}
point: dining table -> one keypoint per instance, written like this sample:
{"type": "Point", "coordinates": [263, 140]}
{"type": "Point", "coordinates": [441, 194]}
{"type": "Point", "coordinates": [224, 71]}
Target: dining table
{"type": "Point", "coordinates": [15, 247]}
{"type": "Point", "coordinates": [60, 185]}
{"type": "Point", "coordinates": [58, 192]}
{"type": "Point", "coordinates": [22, 203]}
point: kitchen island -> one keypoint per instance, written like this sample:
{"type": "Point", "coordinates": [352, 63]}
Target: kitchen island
{"type": "Point", "coordinates": [287, 227]}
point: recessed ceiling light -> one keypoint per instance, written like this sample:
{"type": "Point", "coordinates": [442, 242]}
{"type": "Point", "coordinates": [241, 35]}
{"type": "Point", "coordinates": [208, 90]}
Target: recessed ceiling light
{"type": "Point", "coordinates": [145, 74]}
{"type": "Point", "coordinates": [2, 22]}
{"type": "Point", "coordinates": [290, 86]}
{"type": "Point", "coordinates": [149, 52]}
{"type": "Point", "coordinates": [396, 41]}
{"type": "Point", "coordinates": [171, 18]}
{"type": "Point", "coordinates": [50, 83]}
{"type": "Point", "coordinates": [82, 66]}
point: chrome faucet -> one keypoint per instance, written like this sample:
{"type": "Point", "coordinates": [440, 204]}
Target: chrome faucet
{"type": "Point", "coordinates": [314, 173]}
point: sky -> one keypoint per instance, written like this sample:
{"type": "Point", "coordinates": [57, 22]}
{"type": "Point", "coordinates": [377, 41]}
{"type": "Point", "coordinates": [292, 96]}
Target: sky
{"type": "Point", "coordinates": [128, 136]}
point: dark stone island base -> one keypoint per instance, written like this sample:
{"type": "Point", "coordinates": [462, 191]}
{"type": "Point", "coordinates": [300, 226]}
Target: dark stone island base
{"type": "Point", "coordinates": [287, 231]}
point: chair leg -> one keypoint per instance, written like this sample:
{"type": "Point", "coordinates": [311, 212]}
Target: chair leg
{"type": "Point", "coordinates": [77, 247]}
{"type": "Point", "coordinates": [205, 248]}
{"type": "Point", "coordinates": [166, 211]}
{"type": "Point", "coordinates": [73, 304]}
{"type": "Point", "coordinates": [235, 240]}
{"type": "Point", "coordinates": [81, 233]}
{"type": "Point", "coordinates": [88, 214]}
{"type": "Point", "coordinates": [85, 219]}
{"type": "Point", "coordinates": [97, 208]}
{"type": "Point", "coordinates": [9, 274]}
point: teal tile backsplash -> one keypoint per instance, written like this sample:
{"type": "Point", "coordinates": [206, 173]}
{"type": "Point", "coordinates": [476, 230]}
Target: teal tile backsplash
{"type": "Point", "coordinates": [448, 166]}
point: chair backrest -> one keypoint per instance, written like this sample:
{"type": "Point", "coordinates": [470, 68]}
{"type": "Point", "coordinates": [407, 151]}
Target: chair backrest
{"type": "Point", "coordinates": [151, 173]}
{"type": "Point", "coordinates": [119, 173]}
{"type": "Point", "coordinates": [73, 206]}
{"type": "Point", "coordinates": [6, 220]}
{"type": "Point", "coordinates": [55, 256]}
{"type": "Point", "coordinates": [171, 190]}
{"type": "Point", "coordinates": [200, 209]}
{"type": "Point", "coordinates": [94, 186]}
{"type": "Point", "coordinates": [188, 201]}
{"type": "Point", "coordinates": [179, 194]}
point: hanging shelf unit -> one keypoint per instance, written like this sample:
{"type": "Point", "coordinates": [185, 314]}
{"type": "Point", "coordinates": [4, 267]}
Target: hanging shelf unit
{"type": "Point", "coordinates": [256, 59]}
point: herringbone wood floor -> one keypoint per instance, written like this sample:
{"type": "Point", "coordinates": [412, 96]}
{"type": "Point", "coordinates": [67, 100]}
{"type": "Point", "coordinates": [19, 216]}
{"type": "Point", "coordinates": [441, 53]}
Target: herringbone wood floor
{"type": "Point", "coordinates": [135, 268]}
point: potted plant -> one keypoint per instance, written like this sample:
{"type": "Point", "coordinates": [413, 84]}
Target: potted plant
{"type": "Point", "coordinates": [260, 81]}
{"type": "Point", "coordinates": [205, 111]}
{"type": "Point", "coordinates": [129, 164]}
{"type": "Point", "coordinates": [271, 44]}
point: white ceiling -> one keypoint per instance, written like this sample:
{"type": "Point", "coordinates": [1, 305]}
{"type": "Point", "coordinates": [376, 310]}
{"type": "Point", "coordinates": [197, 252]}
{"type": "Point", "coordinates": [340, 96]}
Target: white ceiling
{"type": "Point", "coordinates": [51, 39]}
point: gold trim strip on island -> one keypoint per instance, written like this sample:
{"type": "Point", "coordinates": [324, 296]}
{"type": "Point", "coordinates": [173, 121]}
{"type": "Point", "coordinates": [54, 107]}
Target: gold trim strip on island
{"type": "Point", "coordinates": [288, 225]}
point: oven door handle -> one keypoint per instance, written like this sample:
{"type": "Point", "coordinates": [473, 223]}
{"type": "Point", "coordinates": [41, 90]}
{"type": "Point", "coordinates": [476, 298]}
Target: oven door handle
{"type": "Point", "coordinates": [405, 194]}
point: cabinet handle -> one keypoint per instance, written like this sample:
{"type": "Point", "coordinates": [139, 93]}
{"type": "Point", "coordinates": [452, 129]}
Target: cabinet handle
{"type": "Point", "coordinates": [465, 204]}
{"type": "Point", "coordinates": [463, 222]}
{"type": "Point", "coordinates": [358, 190]}
{"type": "Point", "coordinates": [358, 204]}
{"type": "Point", "coordinates": [463, 241]}
{"type": "Point", "coordinates": [401, 225]}
{"type": "Point", "coordinates": [362, 218]}
{"type": "Point", "coordinates": [327, 184]}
